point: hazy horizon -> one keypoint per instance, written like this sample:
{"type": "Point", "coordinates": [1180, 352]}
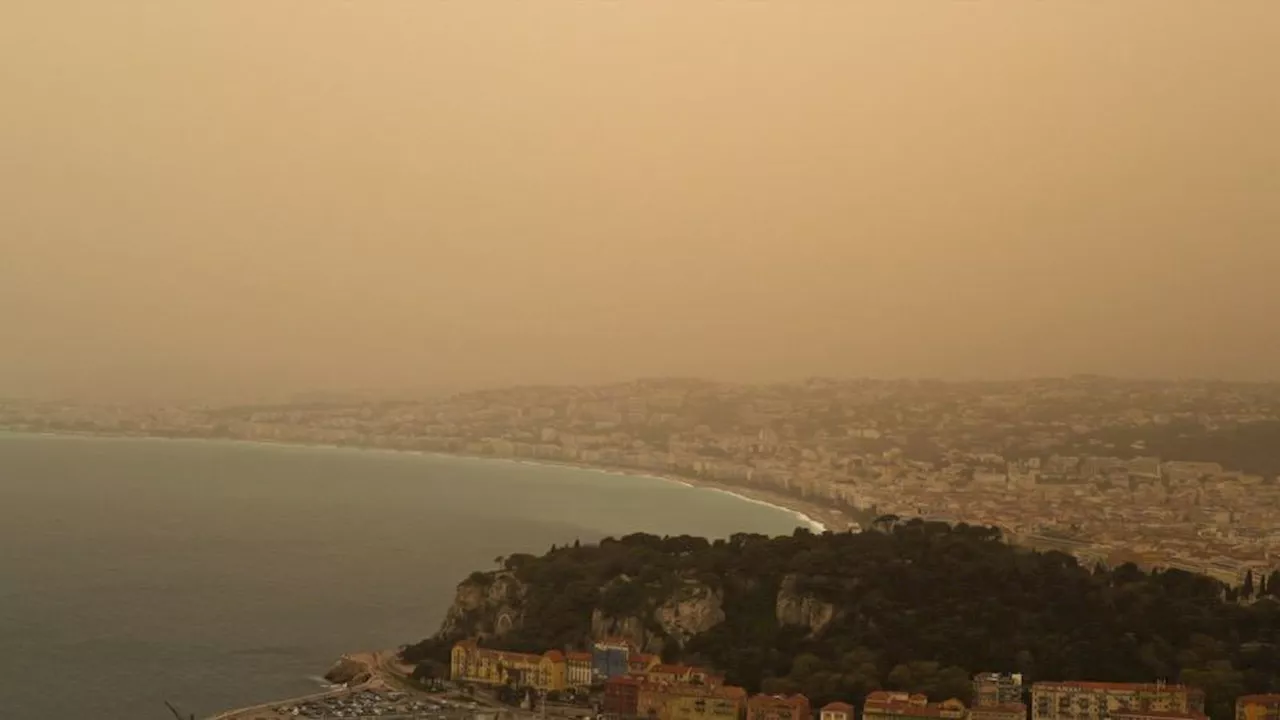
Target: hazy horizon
{"type": "Point", "coordinates": [239, 199]}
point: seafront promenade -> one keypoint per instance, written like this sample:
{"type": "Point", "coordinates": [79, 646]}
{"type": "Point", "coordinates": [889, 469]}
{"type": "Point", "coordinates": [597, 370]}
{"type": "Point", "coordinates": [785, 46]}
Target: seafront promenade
{"type": "Point", "coordinates": [386, 693]}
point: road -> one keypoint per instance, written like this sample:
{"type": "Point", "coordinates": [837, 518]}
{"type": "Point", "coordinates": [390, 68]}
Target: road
{"type": "Point", "coordinates": [387, 673]}
{"type": "Point", "coordinates": [245, 713]}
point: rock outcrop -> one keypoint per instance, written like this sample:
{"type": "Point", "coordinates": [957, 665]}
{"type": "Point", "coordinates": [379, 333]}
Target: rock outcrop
{"type": "Point", "coordinates": [346, 671]}
{"type": "Point", "coordinates": [486, 604]}
{"type": "Point", "coordinates": [797, 608]}
{"type": "Point", "coordinates": [693, 609]}
{"type": "Point", "coordinates": [493, 604]}
{"type": "Point", "coordinates": [630, 628]}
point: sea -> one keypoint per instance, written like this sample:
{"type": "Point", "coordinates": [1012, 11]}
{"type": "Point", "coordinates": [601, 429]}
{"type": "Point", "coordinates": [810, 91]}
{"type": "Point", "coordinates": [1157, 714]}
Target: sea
{"type": "Point", "coordinates": [215, 574]}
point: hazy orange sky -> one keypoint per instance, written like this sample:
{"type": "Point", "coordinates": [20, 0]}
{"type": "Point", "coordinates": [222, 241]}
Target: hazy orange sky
{"type": "Point", "coordinates": [241, 197]}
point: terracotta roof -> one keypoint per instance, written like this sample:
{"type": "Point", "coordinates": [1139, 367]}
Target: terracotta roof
{"type": "Point", "coordinates": [554, 656]}
{"type": "Point", "coordinates": [1130, 687]}
{"type": "Point", "coordinates": [778, 700]}
{"type": "Point", "coordinates": [508, 658]}
{"type": "Point", "coordinates": [505, 656]}
{"type": "Point", "coordinates": [617, 641]}
{"type": "Point", "coordinates": [1258, 699]}
{"type": "Point", "coordinates": [838, 707]}
{"type": "Point", "coordinates": [911, 705]}
{"type": "Point", "coordinates": [903, 709]}
{"type": "Point", "coordinates": [684, 689]}
{"type": "Point", "coordinates": [578, 656]}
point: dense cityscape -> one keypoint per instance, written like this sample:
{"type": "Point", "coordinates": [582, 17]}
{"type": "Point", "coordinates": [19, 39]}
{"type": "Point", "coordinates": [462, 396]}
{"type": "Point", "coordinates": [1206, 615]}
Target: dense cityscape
{"type": "Point", "coordinates": [639, 685]}
{"type": "Point", "coordinates": [1162, 474]}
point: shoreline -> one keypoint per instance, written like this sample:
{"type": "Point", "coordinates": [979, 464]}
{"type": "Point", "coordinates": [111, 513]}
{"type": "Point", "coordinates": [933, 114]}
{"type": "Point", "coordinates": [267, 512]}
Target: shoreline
{"type": "Point", "coordinates": [811, 516]}
{"type": "Point", "coordinates": [806, 515]}
{"type": "Point", "coordinates": [801, 511]}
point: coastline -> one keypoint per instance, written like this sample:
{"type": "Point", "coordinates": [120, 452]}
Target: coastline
{"type": "Point", "coordinates": [812, 516]}
{"type": "Point", "coordinates": [805, 515]}
{"type": "Point", "coordinates": [808, 514]}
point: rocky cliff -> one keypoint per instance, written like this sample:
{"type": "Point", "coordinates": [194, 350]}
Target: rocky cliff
{"type": "Point", "coordinates": [485, 605]}
{"type": "Point", "coordinates": [795, 607]}
{"type": "Point", "coordinates": [632, 628]}
{"type": "Point", "coordinates": [348, 671]}
{"type": "Point", "coordinates": [492, 605]}
{"type": "Point", "coordinates": [674, 617]}
{"type": "Point", "coordinates": [691, 610]}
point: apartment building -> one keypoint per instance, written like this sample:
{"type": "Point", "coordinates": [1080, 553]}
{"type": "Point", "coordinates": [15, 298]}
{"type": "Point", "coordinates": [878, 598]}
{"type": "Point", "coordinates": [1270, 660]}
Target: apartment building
{"type": "Point", "coordinates": [662, 701]}
{"type": "Point", "coordinates": [1157, 715]}
{"type": "Point", "coordinates": [470, 663]}
{"type": "Point", "coordinates": [777, 707]}
{"type": "Point", "coordinates": [621, 697]}
{"type": "Point", "coordinates": [1008, 711]}
{"type": "Point", "coordinates": [1102, 700]}
{"type": "Point", "coordinates": [610, 658]}
{"type": "Point", "coordinates": [886, 705]}
{"type": "Point", "coordinates": [836, 711]}
{"type": "Point", "coordinates": [1258, 707]}
{"type": "Point", "coordinates": [578, 667]}
{"type": "Point", "coordinates": [991, 689]}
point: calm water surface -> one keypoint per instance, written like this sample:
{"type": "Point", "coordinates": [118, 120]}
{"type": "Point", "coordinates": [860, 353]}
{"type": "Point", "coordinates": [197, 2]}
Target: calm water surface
{"type": "Point", "coordinates": [219, 574]}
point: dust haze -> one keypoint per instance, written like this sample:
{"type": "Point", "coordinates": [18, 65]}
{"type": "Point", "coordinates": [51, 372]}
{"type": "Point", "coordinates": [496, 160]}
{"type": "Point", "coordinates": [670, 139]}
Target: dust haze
{"type": "Point", "coordinates": [234, 198]}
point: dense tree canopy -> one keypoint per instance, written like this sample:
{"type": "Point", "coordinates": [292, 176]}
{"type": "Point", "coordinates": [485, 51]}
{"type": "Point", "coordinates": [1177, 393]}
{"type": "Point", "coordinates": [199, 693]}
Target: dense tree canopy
{"type": "Point", "coordinates": [919, 606]}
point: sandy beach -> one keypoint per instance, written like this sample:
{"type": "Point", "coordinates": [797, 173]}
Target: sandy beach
{"type": "Point", "coordinates": [816, 517]}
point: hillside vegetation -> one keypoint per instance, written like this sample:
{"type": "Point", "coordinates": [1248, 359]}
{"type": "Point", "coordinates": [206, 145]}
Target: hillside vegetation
{"type": "Point", "coordinates": [914, 606]}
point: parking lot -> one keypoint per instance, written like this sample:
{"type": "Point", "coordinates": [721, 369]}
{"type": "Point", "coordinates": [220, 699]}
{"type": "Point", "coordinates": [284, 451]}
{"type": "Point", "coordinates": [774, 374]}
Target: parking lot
{"type": "Point", "coordinates": [386, 704]}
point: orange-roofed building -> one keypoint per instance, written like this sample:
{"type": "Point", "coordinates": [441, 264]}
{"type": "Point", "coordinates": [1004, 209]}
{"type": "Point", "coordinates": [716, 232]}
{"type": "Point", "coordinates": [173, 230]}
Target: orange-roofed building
{"type": "Point", "coordinates": [886, 705]}
{"type": "Point", "coordinates": [641, 663]}
{"type": "Point", "coordinates": [778, 707]}
{"type": "Point", "coordinates": [1007, 711]}
{"type": "Point", "coordinates": [662, 701]}
{"type": "Point", "coordinates": [578, 669]}
{"type": "Point", "coordinates": [1258, 707]}
{"type": "Point", "coordinates": [1086, 700]}
{"type": "Point", "coordinates": [663, 673]}
{"type": "Point", "coordinates": [836, 711]}
{"type": "Point", "coordinates": [470, 663]}
{"type": "Point", "coordinates": [621, 697]}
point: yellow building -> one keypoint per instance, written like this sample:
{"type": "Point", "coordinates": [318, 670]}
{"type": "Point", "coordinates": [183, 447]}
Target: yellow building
{"type": "Point", "coordinates": [690, 702]}
{"type": "Point", "coordinates": [471, 663]}
{"type": "Point", "coordinates": [1101, 700]}
{"type": "Point", "coordinates": [886, 705]}
{"type": "Point", "coordinates": [678, 674]}
{"type": "Point", "coordinates": [579, 669]}
{"type": "Point", "coordinates": [1258, 707]}
{"type": "Point", "coordinates": [1008, 711]}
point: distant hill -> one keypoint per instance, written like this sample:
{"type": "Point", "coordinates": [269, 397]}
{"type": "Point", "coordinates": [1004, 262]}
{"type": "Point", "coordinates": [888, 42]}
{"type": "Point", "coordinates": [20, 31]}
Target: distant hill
{"type": "Point", "coordinates": [915, 606]}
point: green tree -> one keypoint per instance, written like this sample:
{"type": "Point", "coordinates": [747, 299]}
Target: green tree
{"type": "Point", "coordinates": [917, 608]}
